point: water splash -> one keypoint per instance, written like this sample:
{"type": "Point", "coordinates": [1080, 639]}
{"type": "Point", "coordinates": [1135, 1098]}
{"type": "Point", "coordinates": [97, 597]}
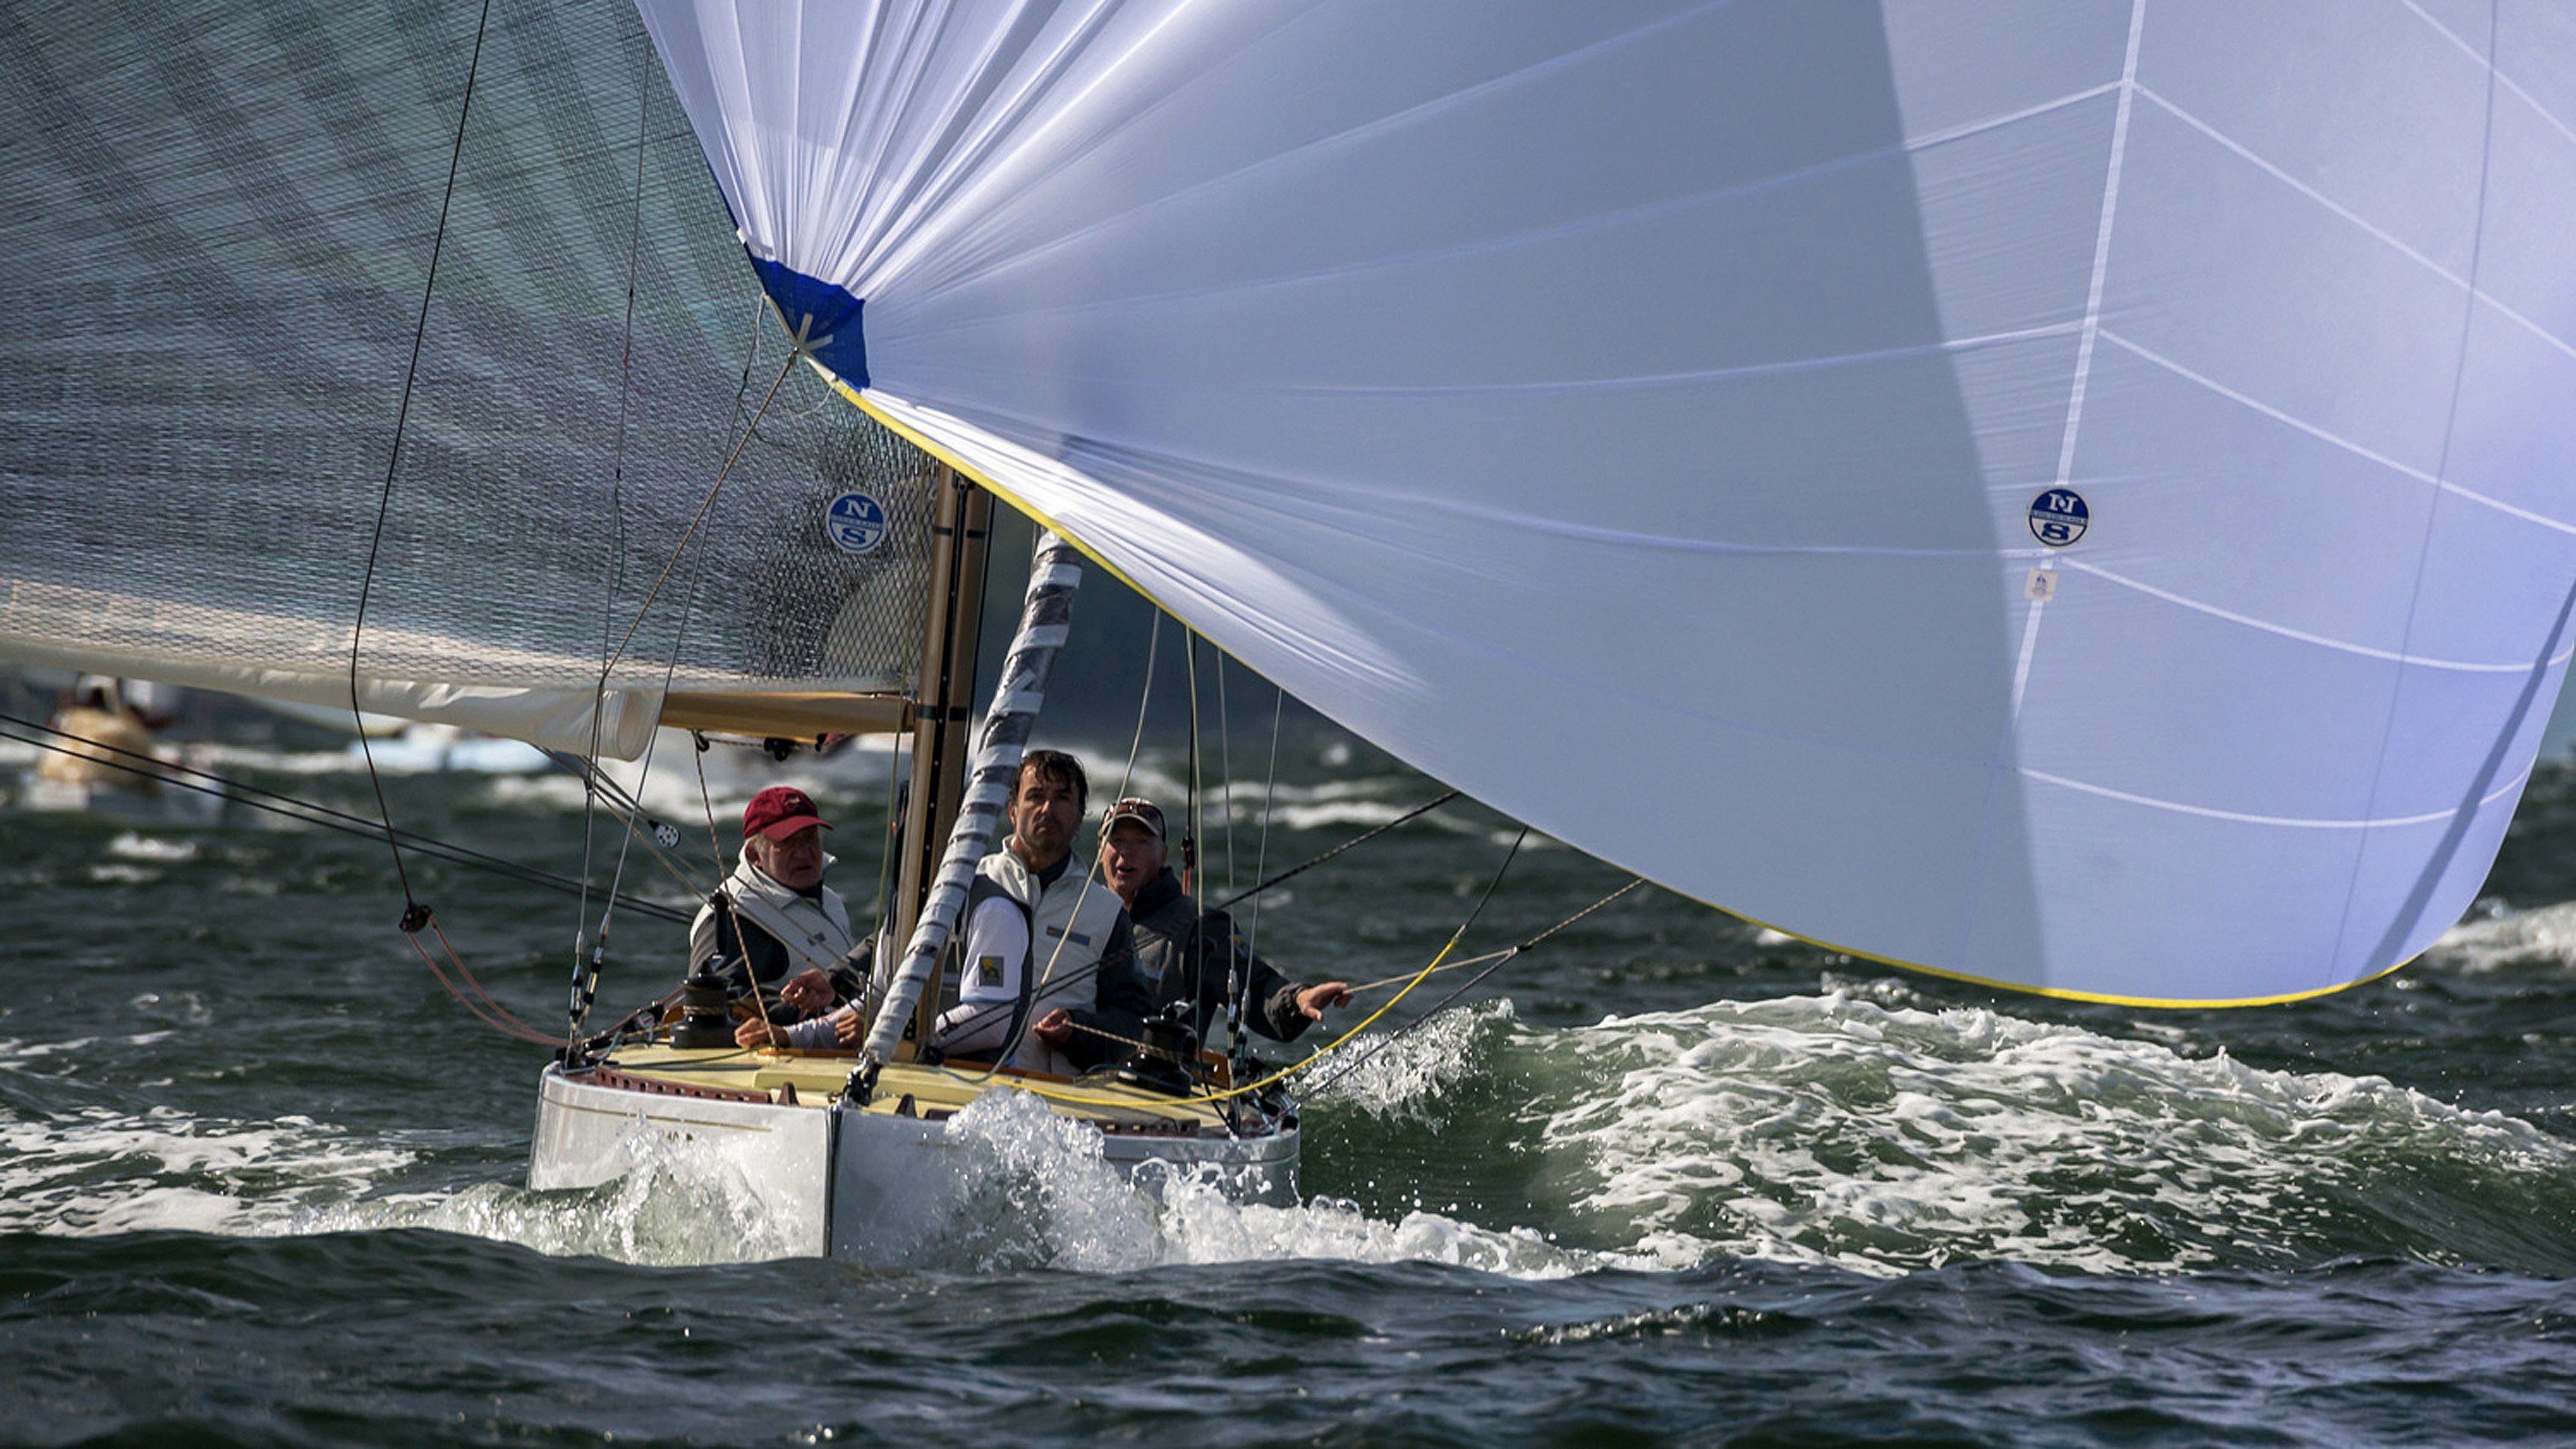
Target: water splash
{"type": "Point", "coordinates": [1046, 1197]}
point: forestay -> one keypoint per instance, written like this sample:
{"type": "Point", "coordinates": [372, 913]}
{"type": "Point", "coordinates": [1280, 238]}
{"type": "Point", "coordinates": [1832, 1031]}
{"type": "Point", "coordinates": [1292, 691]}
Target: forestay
{"type": "Point", "coordinates": [220, 238]}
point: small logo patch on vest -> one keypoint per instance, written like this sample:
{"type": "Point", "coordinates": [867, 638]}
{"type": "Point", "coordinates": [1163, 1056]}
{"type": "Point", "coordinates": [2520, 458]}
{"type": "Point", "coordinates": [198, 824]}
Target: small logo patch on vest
{"type": "Point", "coordinates": [1076, 937]}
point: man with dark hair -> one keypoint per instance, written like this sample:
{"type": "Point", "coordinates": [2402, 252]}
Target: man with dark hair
{"type": "Point", "coordinates": [1036, 934]}
{"type": "Point", "coordinates": [1186, 954]}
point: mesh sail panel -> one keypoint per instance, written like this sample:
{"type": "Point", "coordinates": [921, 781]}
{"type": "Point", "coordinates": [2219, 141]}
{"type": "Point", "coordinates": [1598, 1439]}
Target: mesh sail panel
{"type": "Point", "coordinates": [219, 240]}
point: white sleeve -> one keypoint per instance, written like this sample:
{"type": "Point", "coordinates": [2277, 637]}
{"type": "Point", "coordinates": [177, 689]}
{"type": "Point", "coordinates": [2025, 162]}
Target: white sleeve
{"type": "Point", "coordinates": [997, 952]}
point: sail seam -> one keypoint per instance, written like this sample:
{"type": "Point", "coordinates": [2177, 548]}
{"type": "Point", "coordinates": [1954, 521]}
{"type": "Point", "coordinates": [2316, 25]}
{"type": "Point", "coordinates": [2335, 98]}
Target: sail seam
{"type": "Point", "coordinates": [1904, 146]}
{"type": "Point", "coordinates": [2290, 821]}
{"type": "Point", "coordinates": [2006, 743]}
{"type": "Point", "coordinates": [2493, 72]}
{"type": "Point", "coordinates": [2392, 656]}
{"type": "Point", "coordinates": [2101, 247]}
{"type": "Point", "coordinates": [2437, 860]}
{"type": "Point", "coordinates": [2433, 480]}
{"type": "Point", "coordinates": [1948, 347]}
{"type": "Point", "coordinates": [2386, 238]}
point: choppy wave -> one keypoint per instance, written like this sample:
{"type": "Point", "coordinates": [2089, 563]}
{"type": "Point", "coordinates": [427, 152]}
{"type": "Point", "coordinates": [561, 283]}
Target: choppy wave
{"type": "Point", "coordinates": [96, 1170]}
{"type": "Point", "coordinates": [1827, 1130]}
{"type": "Point", "coordinates": [1888, 1140]}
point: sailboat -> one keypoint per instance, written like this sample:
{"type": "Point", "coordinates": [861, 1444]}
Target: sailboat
{"type": "Point", "coordinates": [2069, 496]}
{"type": "Point", "coordinates": [110, 762]}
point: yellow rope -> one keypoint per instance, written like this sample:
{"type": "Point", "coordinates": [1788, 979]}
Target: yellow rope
{"type": "Point", "coordinates": [1336, 1044]}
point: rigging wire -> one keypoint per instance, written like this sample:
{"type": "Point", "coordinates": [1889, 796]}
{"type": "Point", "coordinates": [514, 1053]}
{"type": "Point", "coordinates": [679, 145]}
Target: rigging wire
{"type": "Point", "coordinates": [585, 987]}
{"type": "Point", "coordinates": [689, 534]}
{"type": "Point", "coordinates": [1336, 1044]}
{"type": "Point", "coordinates": [414, 913]}
{"type": "Point", "coordinates": [291, 807]}
{"type": "Point", "coordinates": [1225, 771]}
{"type": "Point", "coordinates": [1144, 697]}
{"type": "Point", "coordinates": [1241, 1046]}
{"type": "Point", "coordinates": [1496, 959]}
{"type": "Point", "coordinates": [1192, 825]}
{"type": "Point", "coordinates": [1269, 802]}
{"type": "Point", "coordinates": [680, 550]}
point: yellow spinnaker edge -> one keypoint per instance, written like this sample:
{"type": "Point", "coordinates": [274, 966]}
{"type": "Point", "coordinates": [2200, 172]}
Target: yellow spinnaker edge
{"type": "Point", "coordinates": [1031, 510]}
{"type": "Point", "coordinates": [931, 447]}
{"type": "Point", "coordinates": [2059, 993]}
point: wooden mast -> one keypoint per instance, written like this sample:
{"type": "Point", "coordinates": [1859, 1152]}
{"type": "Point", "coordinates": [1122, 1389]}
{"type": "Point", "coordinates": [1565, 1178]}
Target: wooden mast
{"type": "Point", "coordinates": [945, 722]}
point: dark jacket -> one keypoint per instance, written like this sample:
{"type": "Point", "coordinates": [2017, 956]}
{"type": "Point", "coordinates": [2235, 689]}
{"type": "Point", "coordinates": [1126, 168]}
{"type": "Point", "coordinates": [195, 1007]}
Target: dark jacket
{"type": "Point", "coordinates": [1182, 954]}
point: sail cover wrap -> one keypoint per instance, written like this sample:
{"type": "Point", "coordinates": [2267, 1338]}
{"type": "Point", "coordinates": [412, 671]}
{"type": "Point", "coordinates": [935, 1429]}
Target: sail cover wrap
{"type": "Point", "coordinates": [2078, 494]}
{"type": "Point", "coordinates": [226, 227]}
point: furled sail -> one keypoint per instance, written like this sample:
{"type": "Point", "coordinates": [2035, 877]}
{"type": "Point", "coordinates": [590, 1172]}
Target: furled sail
{"type": "Point", "coordinates": [2071, 493]}
{"type": "Point", "coordinates": [220, 239]}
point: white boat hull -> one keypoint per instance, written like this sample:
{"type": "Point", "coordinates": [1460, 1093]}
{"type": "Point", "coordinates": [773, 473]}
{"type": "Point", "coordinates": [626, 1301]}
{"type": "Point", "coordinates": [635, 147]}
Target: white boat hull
{"type": "Point", "coordinates": [831, 1181]}
{"type": "Point", "coordinates": [170, 806]}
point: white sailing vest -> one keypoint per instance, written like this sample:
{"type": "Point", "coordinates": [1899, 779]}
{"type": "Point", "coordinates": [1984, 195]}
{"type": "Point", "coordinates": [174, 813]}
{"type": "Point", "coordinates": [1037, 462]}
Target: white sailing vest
{"type": "Point", "coordinates": [1067, 926]}
{"type": "Point", "coordinates": [816, 932]}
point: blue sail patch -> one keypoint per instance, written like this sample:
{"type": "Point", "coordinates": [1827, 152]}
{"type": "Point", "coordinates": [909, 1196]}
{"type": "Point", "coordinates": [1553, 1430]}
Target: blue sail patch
{"type": "Point", "coordinates": [826, 317]}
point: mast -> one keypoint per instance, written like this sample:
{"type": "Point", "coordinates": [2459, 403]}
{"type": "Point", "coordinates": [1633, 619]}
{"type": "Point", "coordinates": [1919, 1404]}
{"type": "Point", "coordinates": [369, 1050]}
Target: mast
{"type": "Point", "coordinates": [1055, 572]}
{"type": "Point", "coordinates": [959, 535]}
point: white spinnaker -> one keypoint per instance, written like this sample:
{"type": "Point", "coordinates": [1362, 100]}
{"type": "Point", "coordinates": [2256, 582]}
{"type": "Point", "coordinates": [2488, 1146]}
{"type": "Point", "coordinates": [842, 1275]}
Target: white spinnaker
{"type": "Point", "coordinates": [1634, 414]}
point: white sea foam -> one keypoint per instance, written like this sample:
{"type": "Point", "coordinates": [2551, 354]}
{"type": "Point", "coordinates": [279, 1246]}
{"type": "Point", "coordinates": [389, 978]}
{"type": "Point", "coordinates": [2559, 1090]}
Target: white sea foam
{"type": "Point", "coordinates": [1835, 1130]}
{"type": "Point", "coordinates": [2544, 936]}
{"type": "Point", "coordinates": [1814, 1129]}
{"type": "Point", "coordinates": [1407, 1077]}
{"type": "Point", "coordinates": [698, 1202]}
{"type": "Point", "coordinates": [98, 1171]}
{"type": "Point", "coordinates": [131, 846]}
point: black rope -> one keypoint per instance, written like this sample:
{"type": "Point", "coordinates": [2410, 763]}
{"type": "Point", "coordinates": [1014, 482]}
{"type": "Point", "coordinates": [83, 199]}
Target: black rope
{"type": "Point", "coordinates": [304, 811]}
{"type": "Point", "coordinates": [585, 974]}
{"type": "Point", "coordinates": [1470, 984]}
{"type": "Point", "coordinates": [414, 914]}
{"type": "Point", "coordinates": [1191, 825]}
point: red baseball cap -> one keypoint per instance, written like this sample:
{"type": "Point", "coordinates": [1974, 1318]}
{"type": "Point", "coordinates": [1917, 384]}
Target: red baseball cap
{"type": "Point", "coordinates": [779, 812]}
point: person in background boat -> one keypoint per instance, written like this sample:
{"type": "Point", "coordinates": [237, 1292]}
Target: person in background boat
{"type": "Point", "coordinates": [102, 733]}
{"type": "Point", "coordinates": [1186, 954]}
{"type": "Point", "coordinates": [773, 925]}
{"type": "Point", "coordinates": [1038, 932]}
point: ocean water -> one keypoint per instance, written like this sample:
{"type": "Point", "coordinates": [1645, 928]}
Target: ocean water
{"type": "Point", "coordinates": [1666, 1178]}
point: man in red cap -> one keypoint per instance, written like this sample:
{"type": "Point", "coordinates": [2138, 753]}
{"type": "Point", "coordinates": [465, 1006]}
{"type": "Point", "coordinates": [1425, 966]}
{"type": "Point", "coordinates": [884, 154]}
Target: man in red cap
{"type": "Point", "coordinates": [773, 924]}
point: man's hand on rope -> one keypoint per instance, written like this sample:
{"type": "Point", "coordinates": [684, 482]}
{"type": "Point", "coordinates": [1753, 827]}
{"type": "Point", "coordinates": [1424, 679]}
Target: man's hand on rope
{"type": "Point", "coordinates": [810, 992]}
{"type": "Point", "coordinates": [1314, 1001]}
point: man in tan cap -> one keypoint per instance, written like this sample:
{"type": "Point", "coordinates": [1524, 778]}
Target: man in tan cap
{"type": "Point", "coordinates": [1186, 954]}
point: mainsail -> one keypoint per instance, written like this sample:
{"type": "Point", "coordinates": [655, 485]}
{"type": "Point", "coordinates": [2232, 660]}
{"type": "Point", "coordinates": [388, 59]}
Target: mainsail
{"type": "Point", "coordinates": [221, 236]}
{"type": "Point", "coordinates": [2069, 493]}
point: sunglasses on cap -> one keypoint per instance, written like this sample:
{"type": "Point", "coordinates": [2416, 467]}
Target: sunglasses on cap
{"type": "Point", "coordinates": [1143, 812]}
